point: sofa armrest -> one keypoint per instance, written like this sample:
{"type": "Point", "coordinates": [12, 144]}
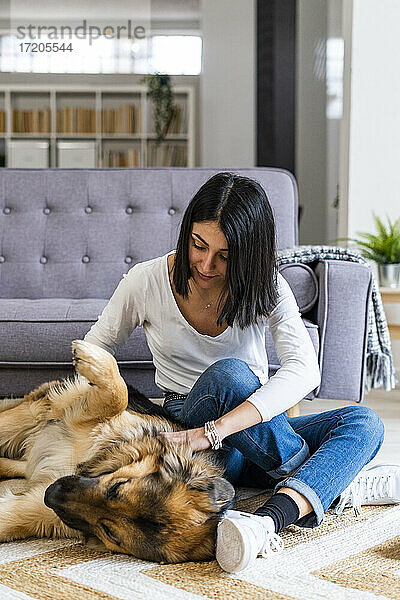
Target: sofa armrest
{"type": "Point", "coordinates": [342, 317]}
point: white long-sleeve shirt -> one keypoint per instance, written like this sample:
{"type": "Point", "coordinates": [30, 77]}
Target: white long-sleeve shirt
{"type": "Point", "coordinates": [181, 354]}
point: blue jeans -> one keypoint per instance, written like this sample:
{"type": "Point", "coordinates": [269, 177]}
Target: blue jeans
{"type": "Point", "coordinates": [340, 442]}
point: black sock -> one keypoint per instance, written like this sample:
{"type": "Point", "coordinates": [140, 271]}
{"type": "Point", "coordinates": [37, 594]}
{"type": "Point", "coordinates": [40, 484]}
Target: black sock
{"type": "Point", "coordinates": [282, 509]}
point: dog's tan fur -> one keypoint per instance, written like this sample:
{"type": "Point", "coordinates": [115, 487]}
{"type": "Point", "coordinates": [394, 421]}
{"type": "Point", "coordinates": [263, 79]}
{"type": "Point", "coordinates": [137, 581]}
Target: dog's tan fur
{"type": "Point", "coordinates": [109, 475]}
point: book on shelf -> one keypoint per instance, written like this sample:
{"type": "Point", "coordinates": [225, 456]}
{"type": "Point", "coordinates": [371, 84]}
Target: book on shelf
{"type": "Point", "coordinates": [122, 114]}
{"type": "Point", "coordinates": [125, 158]}
{"type": "Point", "coordinates": [123, 119]}
{"type": "Point", "coordinates": [178, 122]}
{"type": "Point", "coordinates": [31, 121]}
{"type": "Point", "coordinates": [76, 119]}
{"type": "Point", "coordinates": [166, 155]}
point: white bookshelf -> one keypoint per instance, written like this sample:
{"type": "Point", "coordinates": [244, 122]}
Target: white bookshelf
{"type": "Point", "coordinates": [117, 119]}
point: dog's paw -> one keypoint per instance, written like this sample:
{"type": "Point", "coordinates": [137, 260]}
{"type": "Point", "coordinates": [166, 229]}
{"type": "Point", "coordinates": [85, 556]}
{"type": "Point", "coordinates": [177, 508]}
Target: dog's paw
{"type": "Point", "coordinates": [93, 362]}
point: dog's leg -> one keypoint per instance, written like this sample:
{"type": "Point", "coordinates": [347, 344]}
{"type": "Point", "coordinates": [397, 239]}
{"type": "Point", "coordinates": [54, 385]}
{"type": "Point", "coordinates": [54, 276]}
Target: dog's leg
{"type": "Point", "coordinates": [37, 394]}
{"type": "Point", "coordinates": [18, 422]}
{"type": "Point", "coordinates": [12, 468]}
{"type": "Point", "coordinates": [25, 515]}
{"type": "Point", "coordinates": [21, 416]}
{"type": "Point", "coordinates": [108, 394]}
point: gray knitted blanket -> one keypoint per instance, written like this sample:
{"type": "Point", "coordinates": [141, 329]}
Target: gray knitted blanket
{"type": "Point", "coordinates": [380, 369]}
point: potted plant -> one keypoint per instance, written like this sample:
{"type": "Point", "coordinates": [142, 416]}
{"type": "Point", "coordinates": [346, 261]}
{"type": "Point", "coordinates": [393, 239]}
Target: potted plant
{"type": "Point", "coordinates": [384, 249]}
{"type": "Point", "coordinates": [160, 92]}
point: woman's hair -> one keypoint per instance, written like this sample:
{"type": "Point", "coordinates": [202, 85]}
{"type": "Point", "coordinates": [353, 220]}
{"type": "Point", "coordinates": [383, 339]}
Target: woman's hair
{"type": "Point", "coordinates": [241, 208]}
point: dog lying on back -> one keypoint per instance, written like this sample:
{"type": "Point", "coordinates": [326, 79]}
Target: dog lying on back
{"type": "Point", "coordinates": [98, 470]}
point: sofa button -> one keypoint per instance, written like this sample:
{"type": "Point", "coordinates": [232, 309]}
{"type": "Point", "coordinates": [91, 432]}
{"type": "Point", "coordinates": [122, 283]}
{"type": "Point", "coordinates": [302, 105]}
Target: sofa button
{"type": "Point", "coordinates": [171, 211]}
{"type": "Point", "coordinates": [129, 210]}
{"type": "Point", "coordinates": [128, 259]}
{"type": "Point", "coordinates": [88, 210]}
{"type": "Point", "coordinates": [6, 210]}
{"type": "Point", "coordinates": [85, 259]}
{"type": "Point", "coordinates": [46, 211]}
{"type": "Point", "coordinates": [2, 259]}
{"type": "Point", "coordinates": [43, 260]}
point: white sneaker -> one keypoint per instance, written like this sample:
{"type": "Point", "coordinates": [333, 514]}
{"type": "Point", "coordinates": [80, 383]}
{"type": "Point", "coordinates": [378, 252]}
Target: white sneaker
{"type": "Point", "coordinates": [377, 485]}
{"type": "Point", "coordinates": [241, 537]}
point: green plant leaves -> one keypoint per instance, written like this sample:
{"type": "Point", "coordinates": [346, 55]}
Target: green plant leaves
{"type": "Point", "coordinates": [383, 247]}
{"type": "Point", "coordinates": [160, 92]}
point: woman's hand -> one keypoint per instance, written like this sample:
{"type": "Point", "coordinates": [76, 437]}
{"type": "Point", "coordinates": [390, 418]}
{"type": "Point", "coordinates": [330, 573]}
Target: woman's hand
{"type": "Point", "coordinates": [195, 438]}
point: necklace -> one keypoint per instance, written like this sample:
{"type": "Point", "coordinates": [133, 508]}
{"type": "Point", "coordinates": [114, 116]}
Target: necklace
{"type": "Point", "coordinates": [209, 304]}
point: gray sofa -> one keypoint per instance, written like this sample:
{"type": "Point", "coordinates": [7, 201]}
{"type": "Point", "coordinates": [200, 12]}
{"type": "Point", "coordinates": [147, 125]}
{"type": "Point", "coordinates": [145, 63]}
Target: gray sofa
{"type": "Point", "coordinates": [68, 235]}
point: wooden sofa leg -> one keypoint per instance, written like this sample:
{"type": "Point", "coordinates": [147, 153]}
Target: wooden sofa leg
{"type": "Point", "coordinates": [294, 411]}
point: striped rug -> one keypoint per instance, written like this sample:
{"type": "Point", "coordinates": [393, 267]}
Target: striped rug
{"type": "Point", "coordinates": [347, 557]}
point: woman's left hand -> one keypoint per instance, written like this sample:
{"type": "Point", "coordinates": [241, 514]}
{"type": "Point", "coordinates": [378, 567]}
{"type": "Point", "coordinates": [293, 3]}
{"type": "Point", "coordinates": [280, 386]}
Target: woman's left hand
{"type": "Point", "coordinates": [195, 438]}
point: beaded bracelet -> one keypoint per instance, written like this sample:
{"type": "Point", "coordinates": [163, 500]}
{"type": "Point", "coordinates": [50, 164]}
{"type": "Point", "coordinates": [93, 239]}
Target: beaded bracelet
{"type": "Point", "coordinates": [211, 433]}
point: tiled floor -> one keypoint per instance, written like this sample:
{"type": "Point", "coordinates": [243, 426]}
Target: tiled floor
{"type": "Point", "coordinates": [386, 405]}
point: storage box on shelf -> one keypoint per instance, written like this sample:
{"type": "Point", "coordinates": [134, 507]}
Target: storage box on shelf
{"type": "Point", "coordinates": [117, 120]}
{"type": "Point", "coordinates": [32, 154]}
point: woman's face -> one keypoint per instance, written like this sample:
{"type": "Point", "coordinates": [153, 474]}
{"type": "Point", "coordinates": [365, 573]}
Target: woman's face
{"type": "Point", "coordinates": [208, 254]}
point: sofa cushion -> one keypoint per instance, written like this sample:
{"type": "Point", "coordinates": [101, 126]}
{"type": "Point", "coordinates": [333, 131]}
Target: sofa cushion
{"type": "Point", "coordinates": [41, 331]}
{"type": "Point", "coordinates": [32, 331]}
{"type": "Point", "coordinates": [303, 283]}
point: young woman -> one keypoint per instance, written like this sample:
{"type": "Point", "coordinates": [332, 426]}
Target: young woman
{"type": "Point", "coordinates": [204, 309]}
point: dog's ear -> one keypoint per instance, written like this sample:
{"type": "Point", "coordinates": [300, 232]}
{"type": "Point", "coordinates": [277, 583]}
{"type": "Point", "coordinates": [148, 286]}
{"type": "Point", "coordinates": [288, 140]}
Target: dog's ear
{"type": "Point", "coordinates": [220, 492]}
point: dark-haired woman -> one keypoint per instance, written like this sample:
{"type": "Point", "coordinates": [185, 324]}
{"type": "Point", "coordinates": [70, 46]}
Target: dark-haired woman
{"type": "Point", "coordinates": [205, 309]}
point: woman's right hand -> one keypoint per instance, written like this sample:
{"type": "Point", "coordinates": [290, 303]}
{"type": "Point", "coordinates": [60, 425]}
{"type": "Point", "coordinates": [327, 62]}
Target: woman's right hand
{"type": "Point", "coordinates": [195, 438]}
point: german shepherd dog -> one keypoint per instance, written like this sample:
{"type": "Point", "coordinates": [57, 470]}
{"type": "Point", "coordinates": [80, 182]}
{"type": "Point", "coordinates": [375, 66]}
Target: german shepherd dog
{"type": "Point", "coordinates": [97, 470]}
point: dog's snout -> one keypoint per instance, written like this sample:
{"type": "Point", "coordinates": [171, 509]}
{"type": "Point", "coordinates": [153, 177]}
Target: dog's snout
{"type": "Point", "coordinates": [68, 484]}
{"type": "Point", "coordinates": [66, 497]}
{"type": "Point", "coordinates": [50, 495]}
{"type": "Point", "coordinates": [56, 493]}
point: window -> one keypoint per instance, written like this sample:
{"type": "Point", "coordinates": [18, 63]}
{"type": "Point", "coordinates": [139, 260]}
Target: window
{"type": "Point", "coordinates": [334, 77]}
{"type": "Point", "coordinates": [176, 54]}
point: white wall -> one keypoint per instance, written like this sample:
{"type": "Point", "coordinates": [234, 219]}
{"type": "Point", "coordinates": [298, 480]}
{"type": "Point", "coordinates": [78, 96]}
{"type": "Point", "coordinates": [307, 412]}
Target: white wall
{"type": "Point", "coordinates": [371, 123]}
{"type": "Point", "coordinates": [311, 131]}
{"type": "Point", "coordinates": [370, 136]}
{"type": "Point", "coordinates": [227, 86]}
{"type": "Point", "coordinates": [333, 123]}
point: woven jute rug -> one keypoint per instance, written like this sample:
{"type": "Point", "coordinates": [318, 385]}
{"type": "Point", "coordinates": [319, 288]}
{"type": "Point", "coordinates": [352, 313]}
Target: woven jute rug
{"type": "Point", "coordinates": [346, 557]}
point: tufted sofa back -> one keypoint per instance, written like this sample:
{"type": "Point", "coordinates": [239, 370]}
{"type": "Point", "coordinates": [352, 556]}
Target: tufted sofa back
{"type": "Point", "coordinates": [72, 233]}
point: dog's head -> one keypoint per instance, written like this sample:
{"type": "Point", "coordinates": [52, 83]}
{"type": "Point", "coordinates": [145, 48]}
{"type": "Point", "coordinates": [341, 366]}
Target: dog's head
{"type": "Point", "coordinates": [163, 506]}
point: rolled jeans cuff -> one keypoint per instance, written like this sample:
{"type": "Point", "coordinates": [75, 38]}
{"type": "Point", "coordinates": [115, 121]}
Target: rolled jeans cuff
{"type": "Point", "coordinates": [312, 519]}
{"type": "Point", "coordinates": [290, 465]}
